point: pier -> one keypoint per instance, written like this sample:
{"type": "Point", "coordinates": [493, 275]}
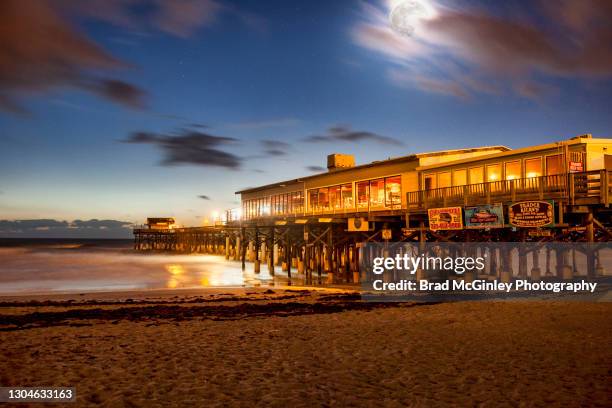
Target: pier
{"type": "Point", "coordinates": [319, 226]}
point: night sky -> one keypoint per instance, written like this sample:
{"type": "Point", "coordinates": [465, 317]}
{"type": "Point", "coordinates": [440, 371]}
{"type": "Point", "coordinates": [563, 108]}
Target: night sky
{"type": "Point", "coordinates": [119, 110]}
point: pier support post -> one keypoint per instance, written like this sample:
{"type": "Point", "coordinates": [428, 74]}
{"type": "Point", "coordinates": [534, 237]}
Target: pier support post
{"type": "Point", "coordinates": [356, 269]}
{"type": "Point", "coordinates": [270, 248]}
{"type": "Point", "coordinates": [243, 248]}
{"type": "Point", "coordinates": [237, 249]}
{"type": "Point", "coordinates": [227, 247]}
{"type": "Point", "coordinates": [506, 269]}
{"type": "Point", "coordinates": [256, 264]}
{"type": "Point", "coordinates": [328, 257]}
{"type": "Point", "coordinates": [535, 270]}
{"type": "Point", "coordinates": [288, 257]}
{"type": "Point", "coordinates": [564, 269]}
{"type": "Point", "coordinates": [307, 267]}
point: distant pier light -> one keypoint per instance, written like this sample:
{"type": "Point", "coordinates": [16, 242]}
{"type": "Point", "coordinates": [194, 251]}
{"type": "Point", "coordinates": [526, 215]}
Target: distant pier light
{"type": "Point", "coordinates": [164, 223]}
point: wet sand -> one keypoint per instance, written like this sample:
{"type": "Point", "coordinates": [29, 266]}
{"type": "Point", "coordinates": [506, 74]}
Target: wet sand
{"type": "Point", "coordinates": [309, 348]}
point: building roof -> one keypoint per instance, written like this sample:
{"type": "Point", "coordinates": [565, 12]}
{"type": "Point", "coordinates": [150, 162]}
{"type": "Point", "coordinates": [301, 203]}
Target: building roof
{"type": "Point", "coordinates": [569, 142]}
{"type": "Point", "coordinates": [390, 160]}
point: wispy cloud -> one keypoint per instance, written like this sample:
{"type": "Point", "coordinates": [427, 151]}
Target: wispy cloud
{"type": "Point", "coordinates": [265, 124]}
{"type": "Point", "coordinates": [275, 147]}
{"type": "Point", "coordinates": [60, 228]}
{"type": "Point", "coordinates": [190, 147]}
{"type": "Point", "coordinates": [343, 133]}
{"type": "Point", "coordinates": [315, 169]}
{"type": "Point", "coordinates": [466, 50]}
{"type": "Point", "coordinates": [41, 50]}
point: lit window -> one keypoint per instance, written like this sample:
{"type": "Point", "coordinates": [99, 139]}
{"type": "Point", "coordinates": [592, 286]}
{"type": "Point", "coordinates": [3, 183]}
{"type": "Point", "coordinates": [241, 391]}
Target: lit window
{"type": "Point", "coordinates": [476, 175]}
{"type": "Point", "coordinates": [313, 200]}
{"type": "Point", "coordinates": [363, 194]}
{"type": "Point", "coordinates": [460, 177]}
{"type": "Point", "coordinates": [335, 200]}
{"type": "Point", "coordinates": [533, 167]}
{"type": "Point", "coordinates": [347, 195]}
{"type": "Point", "coordinates": [493, 172]}
{"type": "Point", "coordinates": [377, 193]}
{"type": "Point", "coordinates": [265, 209]}
{"type": "Point", "coordinates": [323, 199]}
{"type": "Point", "coordinates": [513, 170]}
{"type": "Point", "coordinates": [444, 179]}
{"type": "Point", "coordinates": [393, 189]}
{"type": "Point", "coordinates": [554, 165]}
{"type": "Point", "coordinates": [297, 203]}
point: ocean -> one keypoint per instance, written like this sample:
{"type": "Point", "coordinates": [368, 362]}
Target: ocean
{"type": "Point", "coordinates": [48, 266]}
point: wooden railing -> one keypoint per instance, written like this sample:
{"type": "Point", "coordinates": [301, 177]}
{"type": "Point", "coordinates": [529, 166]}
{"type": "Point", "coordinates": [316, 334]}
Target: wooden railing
{"type": "Point", "coordinates": [587, 187]}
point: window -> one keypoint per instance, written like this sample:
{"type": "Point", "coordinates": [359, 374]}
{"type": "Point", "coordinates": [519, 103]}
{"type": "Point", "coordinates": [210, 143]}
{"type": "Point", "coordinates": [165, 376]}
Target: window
{"type": "Point", "coordinates": [393, 190]}
{"type": "Point", "coordinates": [533, 167]}
{"type": "Point", "coordinates": [554, 165]}
{"type": "Point", "coordinates": [476, 175]}
{"type": "Point", "coordinates": [460, 177]}
{"type": "Point", "coordinates": [493, 172]}
{"type": "Point", "coordinates": [323, 199]}
{"type": "Point", "coordinates": [347, 195]}
{"type": "Point", "coordinates": [335, 201]}
{"type": "Point", "coordinates": [513, 170]}
{"type": "Point", "coordinates": [377, 193]}
{"type": "Point", "coordinates": [444, 179]}
{"type": "Point", "coordinates": [430, 182]}
{"type": "Point", "coordinates": [363, 194]}
{"type": "Point", "coordinates": [297, 203]}
{"type": "Point", "coordinates": [313, 200]}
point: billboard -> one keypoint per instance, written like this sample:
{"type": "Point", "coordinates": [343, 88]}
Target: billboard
{"type": "Point", "coordinates": [532, 214]}
{"type": "Point", "coordinates": [446, 218]}
{"type": "Point", "coordinates": [484, 216]}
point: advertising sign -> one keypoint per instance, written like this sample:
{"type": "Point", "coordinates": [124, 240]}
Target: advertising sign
{"type": "Point", "coordinates": [532, 214]}
{"type": "Point", "coordinates": [576, 167]}
{"type": "Point", "coordinates": [484, 216]}
{"type": "Point", "coordinates": [447, 218]}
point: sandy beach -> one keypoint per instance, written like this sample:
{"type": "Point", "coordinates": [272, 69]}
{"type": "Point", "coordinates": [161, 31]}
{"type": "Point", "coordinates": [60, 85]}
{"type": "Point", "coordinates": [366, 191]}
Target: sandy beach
{"type": "Point", "coordinates": [285, 347]}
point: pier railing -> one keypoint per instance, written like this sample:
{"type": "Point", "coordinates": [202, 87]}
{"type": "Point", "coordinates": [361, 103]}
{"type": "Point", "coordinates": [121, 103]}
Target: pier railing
{"type": "Point", "coordinates": [577, 188]}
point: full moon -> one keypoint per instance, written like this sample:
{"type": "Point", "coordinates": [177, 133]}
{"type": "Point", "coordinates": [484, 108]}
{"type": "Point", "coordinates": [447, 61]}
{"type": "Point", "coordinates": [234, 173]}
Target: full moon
{"type": "Point", "coordinates": [403, 15]}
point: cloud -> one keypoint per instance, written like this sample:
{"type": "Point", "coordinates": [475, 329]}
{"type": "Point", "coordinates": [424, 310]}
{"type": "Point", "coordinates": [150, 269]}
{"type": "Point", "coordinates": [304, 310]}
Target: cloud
{"type": "Point", "coordinates": [275, 147]}
{"type": "Point", "coordinates": [120, 92]}
{"type": "Point", "coordinates": [346, 134]}
{"type": "Point", "coordinates": [183, 17]}
{"type": "Point", "coordinates": [316, 169]}
{"type": "Point", "coordinates": [59, 228]}
{"type": "Point", "coordinates": [204, 197]}
{"type": "Point", "coordinates": [190, 147]}
{"type": "Point", "coordinates": [474, 50]}
{"type": "Point", "coordinates": [40, 51]}
{"type": "Point", "coordinates": [265, 124]}
{"type": "Point", "coordinates": [179, 18]}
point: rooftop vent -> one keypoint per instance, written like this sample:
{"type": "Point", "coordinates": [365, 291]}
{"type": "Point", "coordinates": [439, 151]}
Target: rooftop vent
{"type": "Point", "coordinates": [339, 161]}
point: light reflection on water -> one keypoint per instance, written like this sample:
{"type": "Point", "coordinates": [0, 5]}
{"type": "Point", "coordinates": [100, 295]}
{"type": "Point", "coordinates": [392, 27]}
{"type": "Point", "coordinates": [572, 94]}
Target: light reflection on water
{"type": "Point", "coordinates": [45, 270]}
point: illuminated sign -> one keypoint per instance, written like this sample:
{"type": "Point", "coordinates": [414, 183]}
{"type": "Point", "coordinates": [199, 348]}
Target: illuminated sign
{"type": "Point", "coordinates": [484, 216]}
{"type": "Point", "coordinates": [576, 167]}
{"type": "Point", "coordinates": [447, 218]}
{"type": "Point", "coordinates": [532, 214]}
